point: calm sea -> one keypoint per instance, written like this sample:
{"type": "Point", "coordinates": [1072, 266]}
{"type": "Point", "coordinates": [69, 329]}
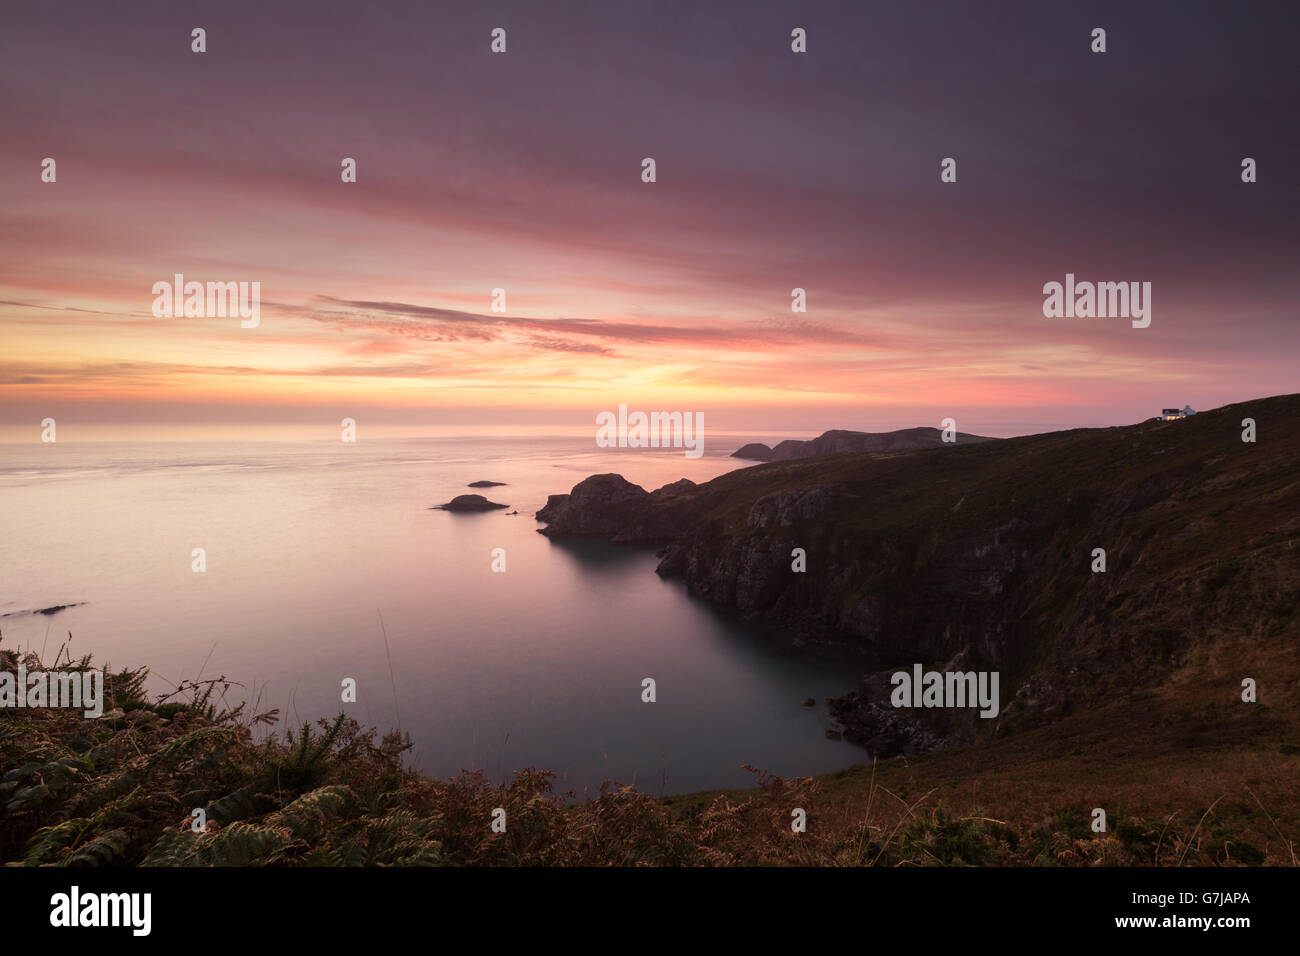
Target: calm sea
{"type": "Point", "coordinates": [309, 543]}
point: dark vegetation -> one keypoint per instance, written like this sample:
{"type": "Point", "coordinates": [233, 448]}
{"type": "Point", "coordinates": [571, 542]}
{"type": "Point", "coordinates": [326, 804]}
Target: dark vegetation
{"type": "Point", "coordinates": [120, 791]}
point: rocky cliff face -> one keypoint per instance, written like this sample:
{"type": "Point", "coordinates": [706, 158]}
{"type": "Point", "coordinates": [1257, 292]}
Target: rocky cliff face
{"type": "Point", "coordinates": [980, 557]}
{"type": "Point", "coordinates": [611, 507]}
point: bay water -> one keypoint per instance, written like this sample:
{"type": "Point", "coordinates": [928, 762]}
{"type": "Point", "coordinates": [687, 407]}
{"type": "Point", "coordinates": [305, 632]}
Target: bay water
{"type": "Point", "coordinates": [325, 562]}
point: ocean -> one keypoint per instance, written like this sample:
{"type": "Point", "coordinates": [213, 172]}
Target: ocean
{"type": "Point", "coordinates": [310, 545]}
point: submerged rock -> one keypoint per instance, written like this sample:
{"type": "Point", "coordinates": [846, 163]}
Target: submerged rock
{"type": "Point", "coordinates": [47, 611]}
{"type": "Point", "coordinates": [485, 484]}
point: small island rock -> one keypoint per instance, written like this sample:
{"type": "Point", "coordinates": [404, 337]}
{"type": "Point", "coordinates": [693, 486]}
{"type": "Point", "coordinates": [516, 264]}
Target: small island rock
{"type": "Point", "coordinates": [469, 503]}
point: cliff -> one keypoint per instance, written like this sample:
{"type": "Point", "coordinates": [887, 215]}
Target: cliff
{"type": "Point", "coordinates": [979, 557]}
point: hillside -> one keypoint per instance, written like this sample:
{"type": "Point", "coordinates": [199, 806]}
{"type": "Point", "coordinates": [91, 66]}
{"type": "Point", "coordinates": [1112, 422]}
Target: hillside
{"type": "Point", "coordinates": [839, 442]}
{"type": "Point", "coordinates": [978, 556]}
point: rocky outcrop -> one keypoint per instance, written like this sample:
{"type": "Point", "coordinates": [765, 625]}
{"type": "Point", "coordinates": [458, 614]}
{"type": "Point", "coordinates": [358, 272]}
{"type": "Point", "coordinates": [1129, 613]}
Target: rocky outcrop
{"type": "Point", "coordinates": [754, 451]}
{"type": "Point", "coordinates": [485, 484]}
{"type": "Point", "coordinates": [468, 503]}
{"type": "Point", "coordinates": [785, 508]}
{"type": "Point", "coordinates": [554, 505]}
{"type": "Point", "coordinates": [679, 487]}
{"type": "Point", "coordinates": [602, 506]}
{"type": "Point", "coordinates": [609, 506]}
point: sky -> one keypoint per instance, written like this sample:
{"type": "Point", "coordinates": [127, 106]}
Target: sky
{"type": "Point", "coordinates": [522, 171]}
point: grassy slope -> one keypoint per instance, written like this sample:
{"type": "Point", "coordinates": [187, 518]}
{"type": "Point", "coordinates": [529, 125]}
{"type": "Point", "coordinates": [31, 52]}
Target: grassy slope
{"type": "Point", "coordinates": [1203, 590]}
{"type": "Point", "coordinates": [1155, 771]}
